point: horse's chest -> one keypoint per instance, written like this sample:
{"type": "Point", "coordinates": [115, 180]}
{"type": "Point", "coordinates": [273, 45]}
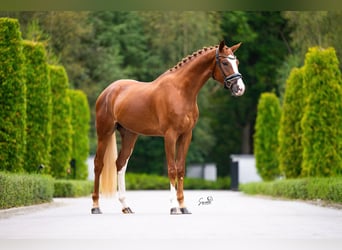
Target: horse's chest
{"type": "Point", "coordinates": [185, 119]}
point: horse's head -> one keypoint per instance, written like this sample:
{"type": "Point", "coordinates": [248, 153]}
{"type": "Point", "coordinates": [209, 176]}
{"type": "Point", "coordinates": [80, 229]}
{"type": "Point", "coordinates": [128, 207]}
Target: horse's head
{"type": "Point", "coordinates": [226, 69]}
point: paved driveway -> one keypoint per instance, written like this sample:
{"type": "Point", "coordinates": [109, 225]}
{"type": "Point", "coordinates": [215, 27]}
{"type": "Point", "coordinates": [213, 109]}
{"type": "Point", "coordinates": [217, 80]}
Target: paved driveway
{"type": "Point", "coordinates": [220, 220]}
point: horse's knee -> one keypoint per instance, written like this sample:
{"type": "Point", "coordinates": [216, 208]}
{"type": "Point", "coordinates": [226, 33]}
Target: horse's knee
{"type": "Point", "coordinates": [172, 173]}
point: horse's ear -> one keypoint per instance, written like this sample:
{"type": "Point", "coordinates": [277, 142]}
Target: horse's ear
{"type": "Point", "coordinates": [235, 47]}
{"type": "Point", "coordinates": [221, 46]}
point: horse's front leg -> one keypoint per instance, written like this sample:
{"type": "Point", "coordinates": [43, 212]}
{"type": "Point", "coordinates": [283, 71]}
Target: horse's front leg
{"type": "Point", "coordinates": [170, 150]}
{"type": "Point", "coordinates": [183, 144]}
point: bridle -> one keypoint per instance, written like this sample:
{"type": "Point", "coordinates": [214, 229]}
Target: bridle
{"type": "Point", "coordinates": [228, 80]}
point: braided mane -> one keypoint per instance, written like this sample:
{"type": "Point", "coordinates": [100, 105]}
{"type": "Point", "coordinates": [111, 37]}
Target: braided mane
{"type": "Point", "coordinates": [190, 57]}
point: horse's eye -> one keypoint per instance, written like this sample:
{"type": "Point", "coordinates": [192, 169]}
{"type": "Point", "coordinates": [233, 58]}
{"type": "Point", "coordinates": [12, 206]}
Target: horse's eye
{"type": "Point", "coordinates": [225, 63]}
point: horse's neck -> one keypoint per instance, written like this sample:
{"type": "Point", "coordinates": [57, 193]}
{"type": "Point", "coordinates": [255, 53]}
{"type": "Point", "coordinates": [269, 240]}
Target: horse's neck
{"type": "Point", "coordinates": [193, 74]}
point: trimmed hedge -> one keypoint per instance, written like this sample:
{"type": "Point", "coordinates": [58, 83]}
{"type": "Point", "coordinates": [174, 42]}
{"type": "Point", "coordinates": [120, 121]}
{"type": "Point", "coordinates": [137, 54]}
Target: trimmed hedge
{"type": "Point", "coordinates": [327, 189]}
{"type": "Point", "coordinates": [23, 189]}
{"type": "Point", "coordinates": [156, 182]}
{"type": "Point", "coordinates": [12, 97]}
{"type": "Point", "coordinates": [322, 120]}
{"type": "Point", "coordinates": [80, 121]}
{"type": "Point", "coordinates": [266, 136]}
{"type": "Point", "coordinates": [73, 188]}
{"type": "Point", "coordinates": [290, 130]}
{"type": "Point", "coordinates": [29, 189]}
{"type": "Point", "coordinates": [61, 123]}
{"type": "Point", "coordinates": [39, 107]}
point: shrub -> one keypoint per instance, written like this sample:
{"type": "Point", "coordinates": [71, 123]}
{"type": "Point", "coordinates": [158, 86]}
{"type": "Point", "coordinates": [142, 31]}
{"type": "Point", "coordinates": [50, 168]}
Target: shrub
{"type": "Point", "coordinates": [322, 120]}
{"type": "Point", "coordinates": [23, 189]}
{"type": "Point", "coordinates": [39, 107]}
{"type": "Point", "coordinates": [266, 136]}
{"type": "Point", "coordinates": [80, 132]}
{"type": "Point", "coordinates": [72, 188]}
{"type": "Point", "coordinates": [61, 122]}
{"type": "Point", "coordinates": [327, 189]}
{"type": "Point", "coordinates": [290, 132]}
{"type": "Point", "coordinates": [156, 182]}
{"type": "Point", "coordinates": [12, 97]}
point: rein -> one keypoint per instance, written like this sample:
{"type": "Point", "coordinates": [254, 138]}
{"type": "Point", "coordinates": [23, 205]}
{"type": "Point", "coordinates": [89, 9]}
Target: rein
{"type": "Point", "coordinates": [228, 80]}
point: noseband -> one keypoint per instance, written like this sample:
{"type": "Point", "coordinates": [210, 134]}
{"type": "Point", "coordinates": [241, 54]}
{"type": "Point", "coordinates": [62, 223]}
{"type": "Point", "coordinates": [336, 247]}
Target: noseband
{"type": "Point", "coordinates": [228, 80]}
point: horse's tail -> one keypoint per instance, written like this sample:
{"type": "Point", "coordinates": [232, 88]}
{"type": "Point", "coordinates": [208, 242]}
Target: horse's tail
{"type": "Point", "coordinates": [108, 181]}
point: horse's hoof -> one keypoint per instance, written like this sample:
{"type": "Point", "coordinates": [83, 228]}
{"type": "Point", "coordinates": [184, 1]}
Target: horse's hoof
{"type": "Point", "coordinates": [127, 210]}
{"type": "Point", "coordinates": [96, 210]}
{"type": "Point", "coordinates": [184, 210]}
{"type": "Point", "coordinates": [175, 210]}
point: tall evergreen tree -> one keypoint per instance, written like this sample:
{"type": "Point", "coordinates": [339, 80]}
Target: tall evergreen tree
{"type": "Point", "coordinates": [290, 131]}
{"type": "Point", "coordinates": [12, 97]}
{"type": "Point", "coordinates": [80, 122]}
{"type": "Point", "coordinates": [322, 120]}
{"type": "Point", "coordinates": [39, 107]}
{"type": "Point", "coordinates": [61, 123]}
{"type": "Point", "coordinates": [266, 136]}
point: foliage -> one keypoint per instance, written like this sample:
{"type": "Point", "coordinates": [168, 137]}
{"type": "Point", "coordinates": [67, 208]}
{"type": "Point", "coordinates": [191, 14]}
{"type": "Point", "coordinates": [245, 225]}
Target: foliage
{"type": "Point", "coordinates": [61, 123]}
{"type": "Point", "coordinates": [266, 136]}
{"type": "Point", "coordinates": [308, 29]}
{"type": "Point", "coordinates": [72, 188]}
{"type": "Point", "coordinates": [23, 189]}
{"type": "Point", "coordinates": [315, 28]}
{"type": "Point", "coordinates": [80, 133]}
{"type": "Point", "coordinates": [264, 46]}
{"type": "Point", "coordinates": [12, 97]}
{"type": "Point", "coordinates": [39, 107]}
{"type": "Point", "coordinates": [155, 182]}
{"type": "Point", "coordinates": [290, 131]}
{"type": "Point", "coordinates": [322, 120]}
{"type": "Point", "coordinates": [328, 189]}
{"type": "Point", "coordinates": [108, 45]}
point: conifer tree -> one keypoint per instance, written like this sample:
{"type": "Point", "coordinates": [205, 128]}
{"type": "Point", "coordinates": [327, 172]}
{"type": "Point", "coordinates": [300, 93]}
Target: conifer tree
{"type": "Point", "coordinates": [322, 120]}
{"type": "Point", "coordinates": [12, 97]}
{"type": "Point", "coordinates": [266, 136]}
{"type": "Point", "coordinates": [39, 107]}
{"type": "Point", "coordinates": [290, 131]}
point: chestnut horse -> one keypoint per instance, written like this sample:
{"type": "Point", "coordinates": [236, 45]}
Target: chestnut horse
{"type": "Point", "coordinates": [165, 107]}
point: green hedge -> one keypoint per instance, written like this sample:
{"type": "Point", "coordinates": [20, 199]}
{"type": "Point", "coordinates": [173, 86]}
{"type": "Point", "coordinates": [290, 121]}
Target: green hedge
{"type": "Point", "coordinates": [266, 136]}
{"type": "Point", "coordinates": [290, 130]}
{"type": "Point", "coordinates": [29, 189]}
{"type": "Point", "coordinates": [156, 182]}
{"type": "Point", "coordinates": [39, 107]}
{"type": "Point", "coordinates": [61, 123]}
{"type": "Point", "coordinates": [12, 97]}
{"type": "Point", "coordinates": [23, 189]}
{"type": "Point", "coordinates": [72, 188]}
{"type": "Point", "coordinates": [80, 121]}
{"type": "Point", "coordinates": [327, 189]}
{"type": "Point", "coordinates": [322, 120]}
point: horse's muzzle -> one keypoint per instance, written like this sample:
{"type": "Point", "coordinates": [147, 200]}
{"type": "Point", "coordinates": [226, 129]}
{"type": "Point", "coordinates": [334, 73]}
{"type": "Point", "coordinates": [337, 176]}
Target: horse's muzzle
{"type": "Point", "coordinates": [235, 84]}
{"type": "Point", "coordinates": [238, 89]}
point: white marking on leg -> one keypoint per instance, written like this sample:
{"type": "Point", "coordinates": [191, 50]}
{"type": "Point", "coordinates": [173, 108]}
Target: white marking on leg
{"type": "Point", "coordinates": [173, 197]}
{"type": "Point", "coordinates": [122, 185]}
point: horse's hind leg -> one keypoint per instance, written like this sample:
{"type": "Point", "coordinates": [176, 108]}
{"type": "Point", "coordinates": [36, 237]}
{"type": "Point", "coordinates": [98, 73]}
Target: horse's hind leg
{"type": "Point", "coordinates": [128, 140]}
{"type": "Point", "coordinates": [105, 129]}
{"type": "Point", "coordinates": [98, 166]}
